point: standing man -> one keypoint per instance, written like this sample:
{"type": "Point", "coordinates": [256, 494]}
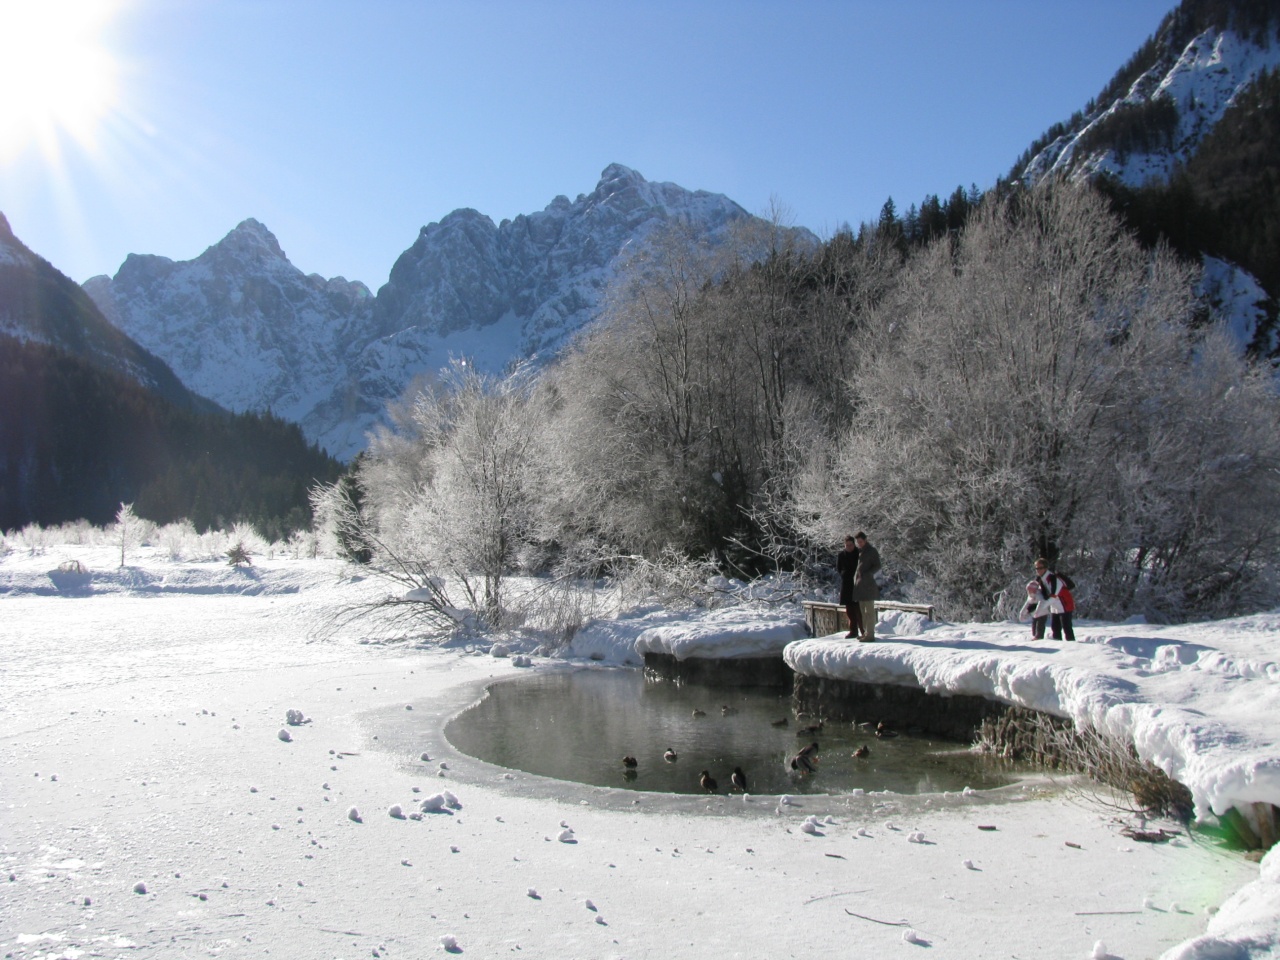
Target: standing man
{"type": "Point", "coordinates": [865, 589]}
{"type": "Point", "coordinates": [847, 565]}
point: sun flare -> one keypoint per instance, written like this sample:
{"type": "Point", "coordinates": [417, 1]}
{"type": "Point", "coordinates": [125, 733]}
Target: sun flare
{"type": "Point", "coordinates": [57, 78]}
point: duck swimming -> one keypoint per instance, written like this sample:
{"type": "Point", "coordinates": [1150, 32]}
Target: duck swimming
{"type": "Point", "coordinates": [669, 756]}
{"type": "Point", "coordinates": [862, 752]}
{"type": "Point", "coordinates": [629, 762]}
{"type": "Point", "coordinates": [707, 781]}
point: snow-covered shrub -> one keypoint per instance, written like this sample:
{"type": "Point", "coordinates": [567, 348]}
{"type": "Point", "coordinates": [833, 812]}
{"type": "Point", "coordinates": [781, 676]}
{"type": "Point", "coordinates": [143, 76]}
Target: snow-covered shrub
{"type": "Point", "coordinates": [673, 580]}
{"type": "Point", "coordinates": [302, 545]}
{"type": "Point", "coordinates": [34, 539]}
{"type": "Point", "coordinates": [179, 540]}
{"type": "Point", "coordinates": [245, 535]}
{"type": "Point", "coordinates": [80, 533]}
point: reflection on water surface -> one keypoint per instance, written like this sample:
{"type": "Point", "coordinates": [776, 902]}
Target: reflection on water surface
{"type": "Point", "coordinates": [578, 726]}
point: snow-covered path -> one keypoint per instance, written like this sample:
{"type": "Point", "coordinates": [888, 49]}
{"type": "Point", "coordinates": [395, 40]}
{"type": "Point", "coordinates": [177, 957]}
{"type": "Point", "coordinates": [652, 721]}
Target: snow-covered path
{"type": "Point", "coordinates": [139, 745]}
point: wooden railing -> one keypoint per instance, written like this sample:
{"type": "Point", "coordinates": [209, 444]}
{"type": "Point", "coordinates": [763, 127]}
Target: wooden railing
{"type": "Point", "coordinates": [824, 619]}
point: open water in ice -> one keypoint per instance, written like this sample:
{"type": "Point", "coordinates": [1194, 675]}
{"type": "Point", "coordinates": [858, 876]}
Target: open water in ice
{"type": "Point", "coordinates": [579, 725]}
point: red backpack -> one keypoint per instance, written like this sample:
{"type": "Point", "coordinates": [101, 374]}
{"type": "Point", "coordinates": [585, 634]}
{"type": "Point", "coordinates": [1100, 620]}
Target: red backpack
{"type": "Point", "coordinates": [1064, 592]}
{"type": "Point", "coordinates": [1068, 601]}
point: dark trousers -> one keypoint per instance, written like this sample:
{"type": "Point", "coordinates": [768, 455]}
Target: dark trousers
{"type": "Point", "coordinates": [854, 613]}
{"type": "Point", "coordinates": [1061, 624]}
{"type": "Point", "coordinates": [1037, 627]}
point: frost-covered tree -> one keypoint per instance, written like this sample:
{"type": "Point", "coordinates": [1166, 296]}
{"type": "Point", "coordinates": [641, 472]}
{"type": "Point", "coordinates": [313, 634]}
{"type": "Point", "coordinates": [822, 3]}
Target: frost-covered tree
{"type": "Point", "coordinates": [473, 501]}
{"type": "Point", "coordinates": [1038, 386]}
{"type": "Point", "coordinates": [682, 403]}
{"type": "Point", "coordinates": [128, 531]}
{"type": "Point", "coordinates": [339, 518]}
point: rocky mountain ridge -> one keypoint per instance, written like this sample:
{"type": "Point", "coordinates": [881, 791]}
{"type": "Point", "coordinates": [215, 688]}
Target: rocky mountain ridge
{"type": "Point", "coordinates": [245, 327]}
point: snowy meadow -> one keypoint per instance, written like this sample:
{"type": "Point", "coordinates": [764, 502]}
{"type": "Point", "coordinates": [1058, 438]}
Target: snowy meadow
{"type": "Point", "coordinates": [196, 762]}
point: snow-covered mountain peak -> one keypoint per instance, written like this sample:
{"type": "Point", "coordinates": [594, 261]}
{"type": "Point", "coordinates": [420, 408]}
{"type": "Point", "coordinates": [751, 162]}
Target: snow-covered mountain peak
{"type": "Point", "coordinates": [250, 239]}
{"type": "Point", "coordinates": [618, 177]}
{"type": "Point", "coordinates": [462, 217]}
{"type": "Point", "coordinates": [244, 326]}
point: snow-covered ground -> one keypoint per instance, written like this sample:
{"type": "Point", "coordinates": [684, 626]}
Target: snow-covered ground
{"type": "Point", "coordinates": [154, 802]}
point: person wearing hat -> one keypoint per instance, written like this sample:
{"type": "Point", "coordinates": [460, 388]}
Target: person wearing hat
{"type": "Point", "coordinates": [865, 589]}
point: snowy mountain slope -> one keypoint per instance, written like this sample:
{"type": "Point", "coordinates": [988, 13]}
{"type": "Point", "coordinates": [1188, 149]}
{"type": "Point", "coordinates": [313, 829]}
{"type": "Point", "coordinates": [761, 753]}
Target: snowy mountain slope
{"type": "Point", "coordinates": [1147, 129]}
{"type": "Point", "coordinates": [239, 323]}
{"type": "Point", "coordinates": [244, 326]}
{"type": "Point", "coordinates": [547, 268]}
{"type": "Point", "coordinates": [1200, 81]}
{"type": "Point", "coordinates": [40, 304]}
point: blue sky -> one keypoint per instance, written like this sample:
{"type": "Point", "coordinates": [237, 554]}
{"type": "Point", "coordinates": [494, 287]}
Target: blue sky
{"type": "Point", "coordinates": [346, 126]}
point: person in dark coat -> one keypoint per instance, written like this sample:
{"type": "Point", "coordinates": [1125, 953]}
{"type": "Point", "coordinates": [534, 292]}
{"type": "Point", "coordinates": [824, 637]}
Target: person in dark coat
{"type": "Point", "coordinates": [865, 589]}
{"type": "Point", "coordinates": [847, 565]}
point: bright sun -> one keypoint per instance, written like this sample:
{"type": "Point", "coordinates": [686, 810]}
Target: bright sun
{"type": "Point", "coordinates": [56, 78]}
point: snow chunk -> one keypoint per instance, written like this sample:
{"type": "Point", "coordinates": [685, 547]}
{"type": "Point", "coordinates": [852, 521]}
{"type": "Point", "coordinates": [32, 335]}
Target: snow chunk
{"type": "Point", "coordinates": [729, 633]}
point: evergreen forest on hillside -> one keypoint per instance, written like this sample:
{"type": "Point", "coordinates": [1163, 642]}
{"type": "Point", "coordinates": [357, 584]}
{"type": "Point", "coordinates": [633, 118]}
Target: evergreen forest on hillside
{"type": "Point", "coordinates": [76, 441]}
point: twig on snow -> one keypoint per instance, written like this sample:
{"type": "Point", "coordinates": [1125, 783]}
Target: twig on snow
{"type": "Point", "coordinates": [887, 923]}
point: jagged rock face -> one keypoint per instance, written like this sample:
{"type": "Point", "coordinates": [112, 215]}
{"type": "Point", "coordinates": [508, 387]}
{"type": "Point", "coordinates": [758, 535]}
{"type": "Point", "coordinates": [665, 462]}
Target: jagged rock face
{"type": "Point", "coordinates": [242, 325]}
{"type": "Point", "coordinates": [547, 268]}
